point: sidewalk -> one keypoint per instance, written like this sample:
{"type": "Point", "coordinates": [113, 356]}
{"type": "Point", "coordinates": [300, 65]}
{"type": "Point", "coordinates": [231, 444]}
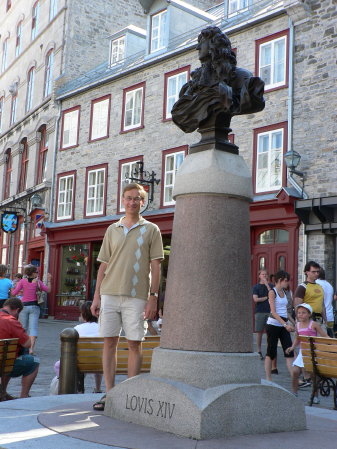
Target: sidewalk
{"type": "Point", "coordinates": [68, 421]}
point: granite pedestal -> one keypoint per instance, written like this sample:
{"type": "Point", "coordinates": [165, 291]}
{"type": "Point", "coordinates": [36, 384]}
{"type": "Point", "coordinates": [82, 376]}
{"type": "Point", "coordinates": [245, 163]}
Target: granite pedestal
{"type": "Point", "coordinates": [203, 381]}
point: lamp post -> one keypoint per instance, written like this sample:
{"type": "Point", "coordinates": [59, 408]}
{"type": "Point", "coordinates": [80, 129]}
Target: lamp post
{"type": "Point", "coordinates": [292, 159]}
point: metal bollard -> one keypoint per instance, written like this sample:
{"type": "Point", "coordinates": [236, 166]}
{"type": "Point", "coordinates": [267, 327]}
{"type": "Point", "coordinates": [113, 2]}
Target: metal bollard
{"type": "Point", "coordinates": [68, 367]}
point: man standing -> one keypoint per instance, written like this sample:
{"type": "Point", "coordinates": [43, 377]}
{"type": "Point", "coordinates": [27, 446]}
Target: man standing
{"type": "Point", "coordinates": [310, 292]}
{"type": "Point", "coordinates": [25, 365]}
{"type": "Point", "coordinates": [328, 298]}
{"type": "Point", "coordinates": [130, 256]}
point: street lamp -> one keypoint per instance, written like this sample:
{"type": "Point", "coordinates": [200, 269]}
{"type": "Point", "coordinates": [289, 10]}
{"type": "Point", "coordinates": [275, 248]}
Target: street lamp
{"type": "Point", "coordinates": [292, 160]}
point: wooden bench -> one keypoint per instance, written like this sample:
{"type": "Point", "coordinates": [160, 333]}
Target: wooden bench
{"type": "Point", "coordinates": [8, 348]}
{"type": "Point", "coordinates": [320, 359]}
{"type": "Point", "coordinates": [90, 351]}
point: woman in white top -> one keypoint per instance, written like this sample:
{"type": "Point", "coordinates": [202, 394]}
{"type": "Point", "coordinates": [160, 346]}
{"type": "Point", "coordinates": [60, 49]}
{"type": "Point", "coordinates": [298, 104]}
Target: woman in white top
{"type": "Point", "coordinates": [277, 327]}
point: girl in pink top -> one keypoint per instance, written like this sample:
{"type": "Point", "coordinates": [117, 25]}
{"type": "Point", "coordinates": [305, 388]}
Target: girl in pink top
{"type": "Point", "coordinates": [304, 326]}
{"type": "Point", "coordinates": [29, 316]}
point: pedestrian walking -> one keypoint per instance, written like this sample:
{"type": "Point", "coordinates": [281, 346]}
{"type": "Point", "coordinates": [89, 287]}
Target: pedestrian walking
{"type": "Point", "coordinates": [29, 316]}
{"type": "Point", "coordinates": [5, 285]}
{"type": "Point", "coordinates": [130, 256]}
{"type": "Point", "coordinates": [278, 327]}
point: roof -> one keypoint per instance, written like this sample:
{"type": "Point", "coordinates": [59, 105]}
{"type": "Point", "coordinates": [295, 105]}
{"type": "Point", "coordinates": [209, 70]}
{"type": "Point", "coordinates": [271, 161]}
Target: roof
{"type": "Point", "coordinates": [183, 42]}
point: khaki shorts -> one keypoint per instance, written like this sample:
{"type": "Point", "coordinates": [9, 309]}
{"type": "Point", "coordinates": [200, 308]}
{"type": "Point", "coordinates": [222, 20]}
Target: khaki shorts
{"type": "Point", "coordinates": [261, 321]}
{"type": "Point", "coordinates": [119, 312]}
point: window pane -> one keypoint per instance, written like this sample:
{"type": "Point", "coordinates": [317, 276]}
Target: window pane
{"type": "Point", "coordinates": [262, 263]}
{"type": "Point", "coordinates": [281, 236]}
{"type": "Point", "coordinates": [266, 237]}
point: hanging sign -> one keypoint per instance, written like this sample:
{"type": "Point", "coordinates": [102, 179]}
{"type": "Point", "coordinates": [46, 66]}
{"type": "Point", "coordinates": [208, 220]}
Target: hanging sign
{"type": "Point", "coordinates": [9, 222]}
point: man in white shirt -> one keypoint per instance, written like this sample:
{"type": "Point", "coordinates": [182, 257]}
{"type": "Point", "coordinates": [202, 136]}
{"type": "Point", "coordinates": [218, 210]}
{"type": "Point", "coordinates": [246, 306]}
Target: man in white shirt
{"type": "Point", "coordinates": [328, 298]}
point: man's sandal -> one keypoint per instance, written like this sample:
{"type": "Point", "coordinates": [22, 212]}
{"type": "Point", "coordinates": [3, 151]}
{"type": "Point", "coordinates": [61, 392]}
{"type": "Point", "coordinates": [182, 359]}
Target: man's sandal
{"type": "Point", "coordinates": [100, 405]}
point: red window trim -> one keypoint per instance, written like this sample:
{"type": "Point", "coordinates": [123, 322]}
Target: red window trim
{"type": "Point", "coordinates": [17, 244]}
{"type": "Point", "coordinates": [61, 175]}
{"type": "Point", "coordinates": [168, 75]}
{"type": "Point", "coordinates": [88, 169]}
{"type": "Point", "coordinates": [97, 100]}
{"type": "Point", "coordinates": [269, 38]}
{"type": "Point", "coordinates": [257, 131]}
{"type": "Point", "coordinates": [120, 163]}
{"type": "Point", "coordinates": [164, 154]}
{"type": "Point", "coordinates": [66, 111]}
{"type": "Point", "coordinates": [125, 91]}
{"type": "Point", "coordinates": [24, 161]}
{"type": "Point", "coordinates": [41, 149]}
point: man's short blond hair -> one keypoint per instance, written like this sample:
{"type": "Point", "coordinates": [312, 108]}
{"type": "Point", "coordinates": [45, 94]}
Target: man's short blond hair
{"type": "Point", "coordinates": [134, 185]}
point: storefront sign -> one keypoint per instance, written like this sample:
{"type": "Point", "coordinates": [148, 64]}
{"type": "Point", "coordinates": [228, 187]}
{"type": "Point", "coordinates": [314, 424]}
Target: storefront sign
{"type": "Point", "coordinates": [9, 222]}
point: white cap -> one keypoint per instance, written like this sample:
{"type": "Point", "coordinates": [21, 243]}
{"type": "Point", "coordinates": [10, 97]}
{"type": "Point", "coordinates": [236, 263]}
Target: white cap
{"type": "Point", "coordinates": [306, 306]}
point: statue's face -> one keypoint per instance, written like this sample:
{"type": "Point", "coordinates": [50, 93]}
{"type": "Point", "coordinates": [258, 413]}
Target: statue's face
{"type": "Point", "coordinates": [203, 49]}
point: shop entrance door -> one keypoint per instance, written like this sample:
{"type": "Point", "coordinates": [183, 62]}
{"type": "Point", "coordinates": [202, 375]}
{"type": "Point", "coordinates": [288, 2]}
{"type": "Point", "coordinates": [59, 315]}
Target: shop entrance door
{"type": "Point", "coordinates": [270, 251]}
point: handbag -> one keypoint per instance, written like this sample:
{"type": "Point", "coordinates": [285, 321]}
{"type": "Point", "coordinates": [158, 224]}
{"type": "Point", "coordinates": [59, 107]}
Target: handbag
{"type": "Point", "coordinates": [39, 294]}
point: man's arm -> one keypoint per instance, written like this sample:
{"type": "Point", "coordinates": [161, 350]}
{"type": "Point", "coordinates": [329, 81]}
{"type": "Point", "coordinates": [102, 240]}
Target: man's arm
{"type": "Point", "coordinates": [299, 295]}
{"type": "Point", "coordinates": [96, 303]}
{"type": "Point", "coordinates": [27, 343]}
{"type": "Point", "coordinates": [150, 310]}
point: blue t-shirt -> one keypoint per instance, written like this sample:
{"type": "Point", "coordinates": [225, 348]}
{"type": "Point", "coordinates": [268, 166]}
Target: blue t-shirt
{"type": "Point", "coordinates": [261, 290]}
{"type": "Point", "coordinates": [5, 285]}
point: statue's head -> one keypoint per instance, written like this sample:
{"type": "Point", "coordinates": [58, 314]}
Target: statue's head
{"type": "Point", "coordinates": [214, 45]}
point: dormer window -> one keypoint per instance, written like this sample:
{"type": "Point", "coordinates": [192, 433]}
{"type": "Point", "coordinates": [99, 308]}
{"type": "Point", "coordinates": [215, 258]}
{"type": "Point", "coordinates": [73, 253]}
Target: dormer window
{"type": "Point", "coordinates": [158, 25]}
{"type": "Point", "coordinates": [117, 50]}
{"type": "Point", "coordinates": [237, 6]}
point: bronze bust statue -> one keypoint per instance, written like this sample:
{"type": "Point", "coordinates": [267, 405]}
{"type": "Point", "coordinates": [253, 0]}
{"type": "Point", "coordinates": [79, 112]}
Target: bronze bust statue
{"type": "Point", "coordinates": [216, 92]}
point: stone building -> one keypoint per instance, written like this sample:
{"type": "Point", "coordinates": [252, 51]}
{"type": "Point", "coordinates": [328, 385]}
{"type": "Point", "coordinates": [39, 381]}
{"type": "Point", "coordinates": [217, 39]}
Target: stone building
{"type": "Point", "coordinates": [43, 43]}
{"type": "Point", "coordinates": [111, 119]}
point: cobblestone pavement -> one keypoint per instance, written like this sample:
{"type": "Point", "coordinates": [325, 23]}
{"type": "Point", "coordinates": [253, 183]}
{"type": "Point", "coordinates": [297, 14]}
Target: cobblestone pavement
{"type": "Point", "coordinates": [48, 350]}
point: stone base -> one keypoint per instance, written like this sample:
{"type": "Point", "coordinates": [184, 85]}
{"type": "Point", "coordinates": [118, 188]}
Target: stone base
{"type": "Point", "coordinates": [204, 412]}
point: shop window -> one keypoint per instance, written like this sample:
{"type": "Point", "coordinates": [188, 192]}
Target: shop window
{"type": "Point", "coordinates": [158, 31]}
{"type": "Point", "coordinates": [95, 191]}
{"type": "Point", "coordinates": [272, 57]}
{"type": "Point", "coordinates": [19, 247]}
{"type": "Point", "coordinates": [70, 128]}
{"type": "Point", "coordinates": [30, 89]}
{"type": "Point", "coordinates": [18, 39]}
{"type": "Point", "coordinates": [173, 84]}
{"type": "Point", "coordinates": [117, 50]}
{"type": "Point", "coordinates": [172, 159]}
{"type": "Point", "coordinates": [48, 77]}
{"type": "Point", "coordinates": [53, 9]}
{"type": "Point", "coordinates": [8, 174]}
{"type": "Point", "coordinates": [35, 19]}
{"type": "Point", "coordinates": [126, 169]}
{"type": "Point", "coordinates": [4, 247]}
{"type": "Point", "coordinates": [73, 276]}
{"type": "Point", "coordinates": [272, 236]}
{"type": "Point", "coordinates": [100, 114]}
{"type": "Point", "coordinates": [4, 60]}
{"type": "Point", "coordinates": [23, 165]}
{"type": "Point", "coordinates": [2, 104]}
{"type": "Point", "coordinates": [65, 196]}
{"type": "Point", "coordinates": [42, 155]}
{"type": "Point", "coordinates": [133, 107]}
{"type": "Point", "coordinates": [269, 147]}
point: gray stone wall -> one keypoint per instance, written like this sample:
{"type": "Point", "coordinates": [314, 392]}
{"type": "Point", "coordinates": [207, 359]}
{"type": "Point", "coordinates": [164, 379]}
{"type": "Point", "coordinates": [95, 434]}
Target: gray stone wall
{"type": "Point", "coordinates": [315, 119]}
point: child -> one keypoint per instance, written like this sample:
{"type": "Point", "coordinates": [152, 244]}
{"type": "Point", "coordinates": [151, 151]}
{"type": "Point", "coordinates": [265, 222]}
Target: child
{"type": "Point", "coordinates": [304, 326]}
